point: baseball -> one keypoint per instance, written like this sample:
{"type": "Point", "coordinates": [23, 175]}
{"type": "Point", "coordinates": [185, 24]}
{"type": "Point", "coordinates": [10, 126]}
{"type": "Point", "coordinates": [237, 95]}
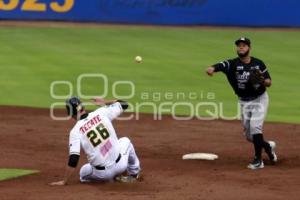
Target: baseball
{"type": "Point", "coordinates": [138, 59]}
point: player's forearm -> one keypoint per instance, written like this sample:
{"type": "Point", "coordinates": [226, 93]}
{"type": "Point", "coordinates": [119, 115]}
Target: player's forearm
{"type": "Point", "coordinates": [72, 164]}
{"type": "Point", "coordinates": [68, 174]}
{"type": "Point", "coordinates": [102, 102]}
{"type": "Point", "coordinates": [217, 67]}
{"type": "Point", "coordinates": [109, 102]}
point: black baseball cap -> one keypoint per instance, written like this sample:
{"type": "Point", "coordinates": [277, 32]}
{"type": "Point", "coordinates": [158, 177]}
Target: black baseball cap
{"type": "Point", "coordinates": [73, 106]}
{"type": "Point", "coordinates": [244, 40]}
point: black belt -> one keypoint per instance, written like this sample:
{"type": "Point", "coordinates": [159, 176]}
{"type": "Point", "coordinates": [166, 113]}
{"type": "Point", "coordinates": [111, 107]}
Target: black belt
{"type": "Point", "coordinates": [248, 98]}
{"type": "Point", "coordinates": [99, 167]}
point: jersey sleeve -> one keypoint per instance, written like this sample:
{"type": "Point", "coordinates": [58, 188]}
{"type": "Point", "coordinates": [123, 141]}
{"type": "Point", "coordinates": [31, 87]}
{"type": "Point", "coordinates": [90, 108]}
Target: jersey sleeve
{"type": "Point", "coordinates": [264, 70]}
{"type": "Point", "coordinates": [74, 143]}
{"type": "Point", "coordinates": [223, 66]}
{"type": "Point", "coordinates": [112, 111]}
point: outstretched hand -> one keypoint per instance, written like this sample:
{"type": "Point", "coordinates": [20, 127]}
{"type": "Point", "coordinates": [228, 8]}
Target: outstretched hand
{"type": "Point", "coordinates": [98, 101]}
{"type": "Point", "coordinates": [210, 71]}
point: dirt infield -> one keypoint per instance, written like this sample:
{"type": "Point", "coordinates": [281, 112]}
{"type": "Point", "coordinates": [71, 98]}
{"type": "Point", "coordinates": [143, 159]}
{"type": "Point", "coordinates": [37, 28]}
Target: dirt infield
{"type": "Point", "coordinates": [31, 139]}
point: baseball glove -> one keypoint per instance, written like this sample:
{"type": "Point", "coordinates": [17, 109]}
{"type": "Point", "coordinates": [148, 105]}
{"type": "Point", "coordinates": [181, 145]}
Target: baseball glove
{"type": "Point", "coordinates": [256, 77]}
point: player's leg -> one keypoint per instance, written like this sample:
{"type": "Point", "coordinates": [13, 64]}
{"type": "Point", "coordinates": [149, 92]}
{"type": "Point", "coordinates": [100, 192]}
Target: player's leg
{"type": "Point", "coordinates": [128, 150]}
{"type": "Point", "coordinates": [257, 122]}
{"type": "Point", "coordinates": [88, 173]}
{"type": "Point", "coordinates": [258, 146]}
{"type": "Point", "coordinates": [248, 109]}
{"type": "Point", "coordinates": [257, 117]}
{"type": "Point", "coordinates": [131, 160]}
{"type": "Point", "coordinates": [245, 119]}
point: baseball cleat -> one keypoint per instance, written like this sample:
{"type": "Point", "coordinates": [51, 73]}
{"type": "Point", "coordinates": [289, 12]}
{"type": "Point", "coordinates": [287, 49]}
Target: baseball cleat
{"type": "Point", "coordinates": [129, 178]}
{"type": "Point", "coordinates": [256, 164]}
{"type": "Point", "coordinates": [82, 180]}
{"type": "Point", "coordinates": [273, 158]}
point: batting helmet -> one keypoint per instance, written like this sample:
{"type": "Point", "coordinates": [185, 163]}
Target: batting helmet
{"type": "Point", "coordinates": [73, 106]}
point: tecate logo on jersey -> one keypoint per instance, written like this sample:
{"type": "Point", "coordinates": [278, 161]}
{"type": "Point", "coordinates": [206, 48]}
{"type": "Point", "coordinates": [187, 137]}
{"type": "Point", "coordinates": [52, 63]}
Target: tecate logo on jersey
{"type": "Point", "coordinates": [87, 126]}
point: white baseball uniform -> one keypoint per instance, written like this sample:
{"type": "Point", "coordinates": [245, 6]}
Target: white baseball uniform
{"type": "Point", "coordinates": [107, 155]}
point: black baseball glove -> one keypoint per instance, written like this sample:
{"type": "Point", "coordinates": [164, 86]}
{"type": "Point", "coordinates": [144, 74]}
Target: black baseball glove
{"type": "Point", "coordinates": [256, 77]}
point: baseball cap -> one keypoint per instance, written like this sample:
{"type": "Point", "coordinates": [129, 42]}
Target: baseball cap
{"type": "Point", "coordinates": [244, 40]}
{"type": "Point", "coordinates": [73, 106]}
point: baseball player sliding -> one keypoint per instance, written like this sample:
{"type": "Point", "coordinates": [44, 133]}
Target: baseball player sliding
{"type": "Point", "coordinates": [249, 78]}
{"type": "Point", "coordinates": [108, 157]}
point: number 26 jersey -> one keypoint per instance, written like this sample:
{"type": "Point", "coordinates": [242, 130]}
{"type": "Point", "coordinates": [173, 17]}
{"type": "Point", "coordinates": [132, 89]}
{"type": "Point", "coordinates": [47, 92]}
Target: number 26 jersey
{"type": "Point", "coordinates": [96, 135]}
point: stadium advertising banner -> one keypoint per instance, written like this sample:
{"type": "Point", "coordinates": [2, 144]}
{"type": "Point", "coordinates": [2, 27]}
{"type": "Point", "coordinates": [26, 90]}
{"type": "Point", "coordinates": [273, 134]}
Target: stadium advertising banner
{"type": "Point", "coordinates": [169, 12]}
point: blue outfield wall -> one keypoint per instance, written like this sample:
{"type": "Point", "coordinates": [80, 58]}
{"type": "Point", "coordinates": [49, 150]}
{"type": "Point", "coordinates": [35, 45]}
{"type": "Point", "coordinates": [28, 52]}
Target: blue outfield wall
{"type": "Point", "coordinates": [282, 13]}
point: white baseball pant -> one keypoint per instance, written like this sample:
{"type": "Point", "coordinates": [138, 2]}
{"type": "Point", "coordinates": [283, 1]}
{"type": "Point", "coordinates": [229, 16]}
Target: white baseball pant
{"type": "Point", "coordinates": [253, 115]}
{"type": "Point", "coordinates": [129, 161]}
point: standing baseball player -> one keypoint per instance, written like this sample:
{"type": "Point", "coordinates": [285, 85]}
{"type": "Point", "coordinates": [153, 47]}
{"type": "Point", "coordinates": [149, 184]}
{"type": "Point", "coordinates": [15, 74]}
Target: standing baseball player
{"type": "Point", "coordinates": [108, 157]}
{"type": "Point", "coordinates": [249, 77]}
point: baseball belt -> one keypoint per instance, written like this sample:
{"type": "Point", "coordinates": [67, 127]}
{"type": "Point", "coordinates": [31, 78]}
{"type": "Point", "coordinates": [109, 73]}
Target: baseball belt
{"type": "Point", "coordinates": [99, 167]}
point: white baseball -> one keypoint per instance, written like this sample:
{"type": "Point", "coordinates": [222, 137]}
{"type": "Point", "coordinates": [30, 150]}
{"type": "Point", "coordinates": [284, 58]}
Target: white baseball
{"type": "Point", "coordinates": [138, 59]}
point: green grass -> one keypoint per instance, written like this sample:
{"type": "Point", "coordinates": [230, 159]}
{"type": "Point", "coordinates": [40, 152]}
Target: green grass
{"type": "Point", "coordinates": [174, 60]}
{"type": "Point", "coordinates": [14, 173]}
